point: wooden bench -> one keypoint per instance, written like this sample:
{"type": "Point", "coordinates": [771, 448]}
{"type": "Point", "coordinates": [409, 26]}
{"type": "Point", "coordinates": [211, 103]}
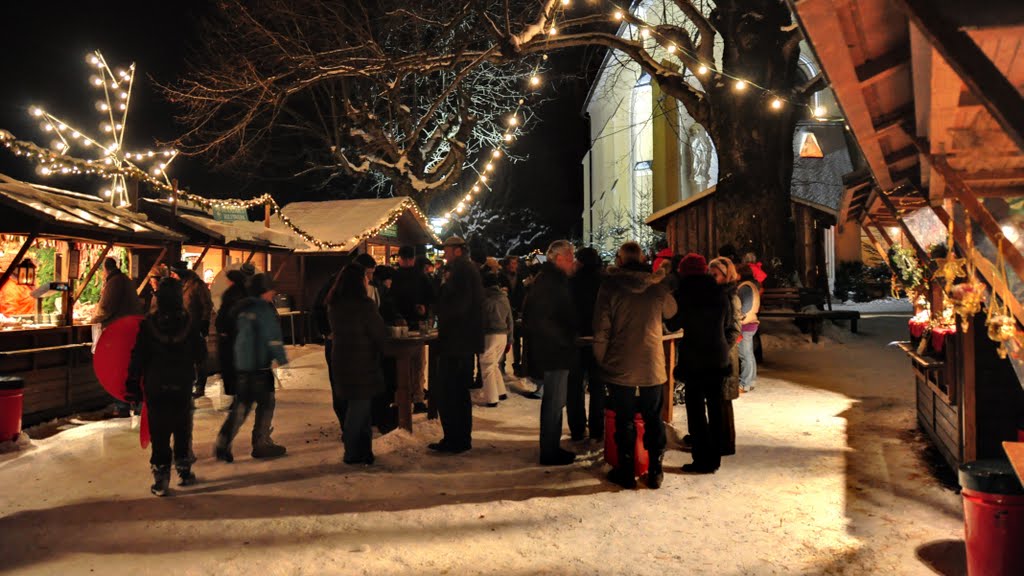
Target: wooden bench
{"type": "Point", "coordinates": [791, 303]}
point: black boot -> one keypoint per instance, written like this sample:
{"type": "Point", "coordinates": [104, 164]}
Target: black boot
{"type": "Point", "coordinates": [624, 474]}
{"type": "Point", "coordinates": [185, 475]}
{"type": "Point", "coordinates": [161, 479]}
{"type": "Point", "coordinates": [655, 475]}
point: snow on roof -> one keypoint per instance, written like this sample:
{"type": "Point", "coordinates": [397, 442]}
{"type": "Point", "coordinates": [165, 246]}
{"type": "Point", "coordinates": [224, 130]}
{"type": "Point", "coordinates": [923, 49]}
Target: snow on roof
{"type": "Point", "coordinates": [348, 222]}
{"type": "Point", "coordinates": [94, 218]}
{"type": "Point", "coordinates": [243, 231]}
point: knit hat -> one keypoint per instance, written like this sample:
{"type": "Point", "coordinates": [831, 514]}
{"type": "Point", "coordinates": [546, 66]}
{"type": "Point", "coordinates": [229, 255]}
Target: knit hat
{"type": "Point", "coordinates": [693, 265]}
{"type": "Point", "coordinates": [260, 284]}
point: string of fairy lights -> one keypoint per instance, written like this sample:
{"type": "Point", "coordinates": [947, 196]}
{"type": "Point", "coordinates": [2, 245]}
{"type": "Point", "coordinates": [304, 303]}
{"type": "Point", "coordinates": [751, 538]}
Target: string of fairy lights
{"type": "Point", "coordinates": [118, 165]}
{"type": "Point", "coordinates": [776, 102]}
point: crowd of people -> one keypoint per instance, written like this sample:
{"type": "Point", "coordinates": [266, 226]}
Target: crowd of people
{"type": "Point", "coordinates": [571, 324]}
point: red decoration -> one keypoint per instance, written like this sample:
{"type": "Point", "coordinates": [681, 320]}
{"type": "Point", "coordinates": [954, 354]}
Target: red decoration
{"type": "Point", "coordinates": [111, 359]}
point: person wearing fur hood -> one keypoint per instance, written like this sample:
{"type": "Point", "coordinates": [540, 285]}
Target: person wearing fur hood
{"type": "Point", "coordinates": [632, 304]}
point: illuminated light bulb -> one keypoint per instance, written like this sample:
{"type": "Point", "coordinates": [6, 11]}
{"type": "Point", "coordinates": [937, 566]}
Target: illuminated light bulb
{"type": "Point", "coordinates": [105, 127]}
{"type": "Point", "coordinates": [48, 127]}
{"type": "Point", "coordinates": [124, 95]}
{"type": "Point", "coordinates": [76, 135]}
{"type": "Point", "coordinates": [36, 111]}
{"type": "Point", "coordinates": [122, 204]}
{"type": "Point", "coordinates": [59, 146]}
{"type": "Point", "coordinates": [671, 48]}
{"type": "Point", "coordinates": [740, 85]}
{"type": "Point", "coordinates": [489, 167]}
{"type": "Point", "coordinates": [86, 143]}
{"type": "Point", "coordinates": [566, 2]}
{"type": "Point", "coordinates": [44, 171]}
{"type": "Point", "coordinates": [776, 104]}
{"type": "Point", "coordinates": [645, 32]}
{"type": "Point", "coordinates": [476, 188]}
{"type": "Point", "coordinates": [162, 166]}
{"type": "Point", "coordinates": [113, 85]}
{"type": "Point", "coordinates": [150, 153]}
{"type": "Point", "coordinates": [483, 178]}
{"type": "Point", "coordinates": [92, 59]}
{"type": "Point", "coordinates": [121, 106]}
{"type": "Point", "coordinates": [544, 57]}
{"type": "Point", "coordinates": [96, 81]}
{"type": "Point", "coordinates": [62, 126]}
{"type": "Point", "coordinates": [108, 161]}
{"type": "Point", "coordinates": [167, 153]}
{"type": "Point", "coordinates": [820, 111]}
{"type": "Point", "coordinates": [106, 193]}
{"type": "Point", "coordinates": [156, 171]}
{"type": "Point", "coordinates": [534, 80]}
{"type": "Point", "coordinates": [702, 70]}
{"type": "Point", "coordinates": [170, 198]}
{"type": "Point", "coordinates": [618, 14]}
{"type": "Point", "coordinates": [496, 154]}
{"type": "Point", "coordinates": [508, 137]}
{"type": "Point", "coordinates": [552, 31]}
{"type": "Point", "coordinates": [512, 121]}
{"type": "Point", "coordinates": [118, 126]}
{"type": "Point", "coordinates": [468, 198]}
{"type": "Point", "coordinates": [65, 170]}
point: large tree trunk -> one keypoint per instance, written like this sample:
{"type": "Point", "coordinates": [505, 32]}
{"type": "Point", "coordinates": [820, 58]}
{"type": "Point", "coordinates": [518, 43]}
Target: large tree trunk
{"type": "Point", "coordinates": [755, 141]}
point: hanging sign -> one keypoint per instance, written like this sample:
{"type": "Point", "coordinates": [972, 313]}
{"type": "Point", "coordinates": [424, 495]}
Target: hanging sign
{"type": "Point", "coordinates": [230, 214]}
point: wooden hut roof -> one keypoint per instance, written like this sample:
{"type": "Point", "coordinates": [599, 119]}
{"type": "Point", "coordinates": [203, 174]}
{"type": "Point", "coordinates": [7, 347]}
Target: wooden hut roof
{"type": "Point", "coordinates": [50, 212]}
{"type": "Point", "coordinates": [201, 227]}
{"type": "Point", "coordinates": [349, 223]}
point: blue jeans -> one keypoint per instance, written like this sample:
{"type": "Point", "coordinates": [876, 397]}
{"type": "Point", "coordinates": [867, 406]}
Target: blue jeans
{"type": "Point", "coordinates": [748, 365]}
{"type": "Point", "coordinates": [556, 383]}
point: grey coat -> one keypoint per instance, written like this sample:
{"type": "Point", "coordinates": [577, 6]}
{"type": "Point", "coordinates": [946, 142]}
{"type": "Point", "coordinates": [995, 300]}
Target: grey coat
{"type": "Point", "coordinates": [497, 312]}
{"type": "Point", "coordinates": [628, 326]}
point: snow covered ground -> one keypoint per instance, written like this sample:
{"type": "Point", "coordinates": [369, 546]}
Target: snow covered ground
{"type": "Point", "coordinates": [828, 479]}
{"type": "Point", "coordinates": [882, 306]}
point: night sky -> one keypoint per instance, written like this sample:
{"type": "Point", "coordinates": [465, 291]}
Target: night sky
{"type": "Point", "coordinates": [45, 45]}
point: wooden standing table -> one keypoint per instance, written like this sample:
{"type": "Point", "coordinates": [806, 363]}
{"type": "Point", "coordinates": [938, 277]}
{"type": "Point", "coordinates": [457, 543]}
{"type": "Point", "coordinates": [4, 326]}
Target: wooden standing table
{"type": "Point", "coordinates": [668, 341]}
{"type": "Point", "coordinates": [407, 351]}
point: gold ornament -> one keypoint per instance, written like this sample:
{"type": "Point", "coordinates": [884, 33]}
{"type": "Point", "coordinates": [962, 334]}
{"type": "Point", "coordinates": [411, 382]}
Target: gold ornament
{"type": "Point", "coordinates": [950, 268]}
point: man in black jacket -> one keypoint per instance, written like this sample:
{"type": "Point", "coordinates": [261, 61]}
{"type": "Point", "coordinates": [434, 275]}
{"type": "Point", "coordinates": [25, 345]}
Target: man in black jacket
{"type": "Point", "coordinates": [460, 327]}
{"type": "Point", "coordinates": [413, 295]}
{"type": "Point", "coordinates": [550, 320]}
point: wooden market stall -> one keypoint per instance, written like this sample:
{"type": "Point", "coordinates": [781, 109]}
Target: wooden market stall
{"type": "Point", "coordinates": [72, 233]}
{"type": "Point", "coordinates": [377, 226]}
{"type": "Point", "coordinates": [217, 240]}
{"type": "Point", "coordinates": [931, 90]}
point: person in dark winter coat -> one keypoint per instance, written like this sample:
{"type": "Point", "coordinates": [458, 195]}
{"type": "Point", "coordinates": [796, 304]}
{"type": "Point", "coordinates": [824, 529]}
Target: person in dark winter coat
{"type": "Point", "coordinates": [199, 305]}
{"type": "Point", "coordinates": [724, 272]}
{"type": "Point", "coordinates": [512, 282]}
{"type": "Point", "coordinates": [413, 294]}
{"type": "Point", "coordinates": [584, 286]}
{"type": "Point", "coordinates": [550, 320]}
{"type": "Point", "coordinates": [632, 305]}
{"type": "Point", "coordinates": [162, 361]}
{"type": "Point", "coordinates": [497, 335]}
{"type": "Point", "coordinates": [362, 334]}
{"type": "Point", "coordinates": [460, 337]}
{"type": "Point", "coordinates": [705, 317]}
{"type": "Point", "coordinates": [225, 324]}
{"type": "Point", "coordinates": [118, 298]}
{"type": "Point", "coordinates": [258, 345]}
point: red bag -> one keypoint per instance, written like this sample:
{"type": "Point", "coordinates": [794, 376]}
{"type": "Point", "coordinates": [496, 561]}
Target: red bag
{"type": "Point", "coordinates": [611, 451]}
{"type": "Point", "coordinates": [111, 359]}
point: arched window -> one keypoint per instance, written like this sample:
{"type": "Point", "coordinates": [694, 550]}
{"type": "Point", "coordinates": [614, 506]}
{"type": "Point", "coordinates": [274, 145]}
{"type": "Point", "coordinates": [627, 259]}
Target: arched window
{"type": "Point", "coordinates": [641, 142]}
{"type": "Point", "coordinates": [807, 70]}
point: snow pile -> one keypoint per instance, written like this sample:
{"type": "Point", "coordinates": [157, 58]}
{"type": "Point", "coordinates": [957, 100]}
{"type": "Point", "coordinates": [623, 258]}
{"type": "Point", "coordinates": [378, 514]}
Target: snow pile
{"type": "Point", "coordinates": [880, 306]}
{"type": "Point", "coordinates": [22, 442]}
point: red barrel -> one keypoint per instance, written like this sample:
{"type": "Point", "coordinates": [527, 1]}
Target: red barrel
{"type": "Point", "coordinates": [11, 396]}
{"type": "Point", "coordinates": [611, 450]}
{"type": "Point", "coordinates": [993, 518]}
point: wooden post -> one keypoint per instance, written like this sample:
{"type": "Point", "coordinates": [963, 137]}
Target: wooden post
{"type": "Point", "coordinates": [266, 215]}
{"type": "Point", "coordinates": [251, 254]}
{"type": "Point", "coordinates": [922, 254]}
{"type": "Point", "coordinates": [199, 261]}
{"type": "Point", "coordinates": [92, 271]}
{"type": "Point", "coordinates": [284, 262]}
{"type": "Point", "coordinates": [969, 407]}
{"type": "Point", "coordinates": [17, 259]}
{"type": "Point", "coordinates": [132, 189]}
{"type": "Point", "coordinates": [881, 230]}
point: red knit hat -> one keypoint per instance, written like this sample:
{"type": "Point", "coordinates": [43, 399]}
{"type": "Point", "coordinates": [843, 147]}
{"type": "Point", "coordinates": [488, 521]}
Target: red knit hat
{"type": "Point", "coordinates": [693, 265]}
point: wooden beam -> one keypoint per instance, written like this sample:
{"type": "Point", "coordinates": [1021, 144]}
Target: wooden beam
{"type": "Point", "coordinates": [199, 261]}
{"type": "Point", "coordinates": [824, 31]}
{"type": "Point", "coordinates": [92, 271]}
{"type": "Point", "coordinates": [883, 67]}
{"type": "Point", "coordinates": [17, 258]}
{"type": "Point", "coordinates": [975, 209]}
{"type": "Point", "coordinates": [900, 155]}
{"type": "Point", "coordinates": [284, 264]}
{"type": "Point", "coordinates": [896, 119]}
{"type": "Point", "coordinates": [883, 252]}
{"type": "Point", "coordinates": [997, 177]}
{"type": "Point", "coordinates": [251, 254]}
{"type": "Point", "coordinates": [881, 229]}
{"type": "Point", "coordinates": [1016, 192]}
{"type": "Point", "coordinates": [156, 264]}
{"type": "Point", "coordinates": [922, 254]}
{"type": "Point", "coordinates": [976, 70]}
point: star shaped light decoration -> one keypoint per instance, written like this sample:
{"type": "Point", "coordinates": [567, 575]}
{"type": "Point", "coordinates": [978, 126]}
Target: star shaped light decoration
{"type": "Point", "coordinates": [113, 161]}
{"type": "Point", "coordinates": [950, 268]}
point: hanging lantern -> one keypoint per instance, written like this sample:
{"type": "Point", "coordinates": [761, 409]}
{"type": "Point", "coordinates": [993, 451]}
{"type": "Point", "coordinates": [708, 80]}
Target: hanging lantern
{"type": "Point", "coordinates": [967, 299]}
{"type": "Point", "coordinates": [26, 272]}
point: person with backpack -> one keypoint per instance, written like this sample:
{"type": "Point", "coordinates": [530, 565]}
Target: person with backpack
{"type": "Point", "coordinates": [258, 344]}
{"type": "Point", "coordinates": [162, 362]}
{"type": "Point", "coordinates": [225, 324]}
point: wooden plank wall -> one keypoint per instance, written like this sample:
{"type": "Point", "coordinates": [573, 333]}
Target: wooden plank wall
{"type": "Point", "coordinates": [692, 229]}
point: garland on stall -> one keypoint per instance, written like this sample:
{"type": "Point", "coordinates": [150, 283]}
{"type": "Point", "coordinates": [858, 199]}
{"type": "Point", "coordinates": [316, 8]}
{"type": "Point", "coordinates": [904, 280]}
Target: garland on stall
{"type": "Point", "coordinates": [70, 165]}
